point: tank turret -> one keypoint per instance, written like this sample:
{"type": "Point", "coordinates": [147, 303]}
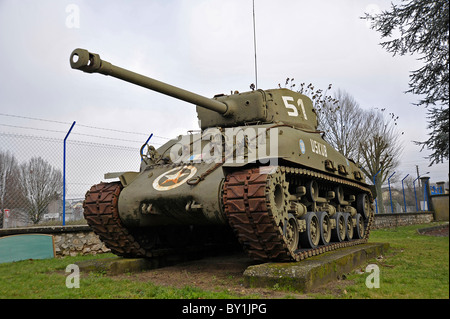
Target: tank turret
{"type": "Point", "coordinates": [270, 106]}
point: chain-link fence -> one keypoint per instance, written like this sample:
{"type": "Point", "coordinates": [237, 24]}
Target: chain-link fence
{"type": "Point", "coordinates": [409, 194]}
{"type": "Point", "coordinates": [32, 175]}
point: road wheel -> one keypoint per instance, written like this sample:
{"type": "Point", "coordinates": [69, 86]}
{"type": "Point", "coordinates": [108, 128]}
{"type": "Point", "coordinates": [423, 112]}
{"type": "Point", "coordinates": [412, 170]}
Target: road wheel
{"type": "Point", "coordinates": [325, 227]}
{"type": "Point", "coordinates": [338, 233]}
{"type": "Point", "coordinates": [311, 236]}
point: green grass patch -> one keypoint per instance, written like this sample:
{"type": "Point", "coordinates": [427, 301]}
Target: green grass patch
{"type": "Point", "coordinates": [47, 279]}
{"type": "Point", "coordinates": [416, 266]}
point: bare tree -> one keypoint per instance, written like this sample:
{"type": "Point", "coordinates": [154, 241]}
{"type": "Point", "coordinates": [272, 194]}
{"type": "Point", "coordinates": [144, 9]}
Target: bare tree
{"type": "Point", "coordinates": [380, 150]}
{"type": "Point", "coordinates": [9, 194]}
{"type": "Point", "coordinates": [368, 137]}
{"type": "Point", "coordinates": [343, 122]}
{"type": "Point", "coordinates": [40, 183]}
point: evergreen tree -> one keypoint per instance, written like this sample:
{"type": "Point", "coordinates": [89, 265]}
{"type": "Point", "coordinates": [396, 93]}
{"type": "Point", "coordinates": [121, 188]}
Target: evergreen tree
{"type": "Point", "coordinates": [422, 27]}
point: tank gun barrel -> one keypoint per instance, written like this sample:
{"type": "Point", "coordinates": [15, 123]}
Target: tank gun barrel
{"type": "Point", "coordinates": [86, 61]}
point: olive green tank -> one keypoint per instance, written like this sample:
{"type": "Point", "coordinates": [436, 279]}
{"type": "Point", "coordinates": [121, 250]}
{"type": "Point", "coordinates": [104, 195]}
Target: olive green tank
{"type": "Point", "coordinates": [258, 169]}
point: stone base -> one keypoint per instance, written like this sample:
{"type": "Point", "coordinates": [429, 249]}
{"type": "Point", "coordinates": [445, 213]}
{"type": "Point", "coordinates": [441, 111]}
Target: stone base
{"type": "Point", "coordinates": [315, 271]}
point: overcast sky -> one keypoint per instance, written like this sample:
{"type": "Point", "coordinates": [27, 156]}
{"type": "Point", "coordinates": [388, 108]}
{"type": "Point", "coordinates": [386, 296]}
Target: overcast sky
{"type": "Point", "coordinates": [203, 46]}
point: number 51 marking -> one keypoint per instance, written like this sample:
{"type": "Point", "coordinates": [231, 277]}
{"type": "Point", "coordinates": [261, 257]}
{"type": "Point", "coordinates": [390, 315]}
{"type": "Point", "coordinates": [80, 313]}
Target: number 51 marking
{"type": "Point", "coordinates": [292, 107]}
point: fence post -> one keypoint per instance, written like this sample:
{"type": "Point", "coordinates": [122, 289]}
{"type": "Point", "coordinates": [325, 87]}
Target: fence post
{"type": "Point", "coordinates": [142, 148]}
{"type": "Point", "coordinates": [374, 183]}
{"type": "Point", "coordinates": [426, 192]}
{"type": "Point", "coordinates": [390, 194]}
{"type": "Point", "coordinates": [403, 188]}
{"type": "Point", "coordinates": [64, 176]}
{"type": "Point", "coordinates": [415, 194]}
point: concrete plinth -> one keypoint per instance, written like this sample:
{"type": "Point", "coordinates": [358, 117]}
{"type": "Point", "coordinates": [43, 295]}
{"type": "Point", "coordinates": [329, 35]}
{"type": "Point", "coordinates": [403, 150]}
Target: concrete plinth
{"type": "Point", "coordinates": [315, 271]}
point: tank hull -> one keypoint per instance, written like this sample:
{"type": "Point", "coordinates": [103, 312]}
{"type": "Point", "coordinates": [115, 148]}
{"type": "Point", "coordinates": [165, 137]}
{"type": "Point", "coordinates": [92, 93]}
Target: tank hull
{"type": "Point", "coordinates": [160, 195]}
{"type": "Point", "coordinates": [190, 192]}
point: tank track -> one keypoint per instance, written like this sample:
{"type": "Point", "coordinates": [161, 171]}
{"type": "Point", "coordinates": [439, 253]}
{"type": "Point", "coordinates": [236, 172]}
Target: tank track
{"type": "Point", "coordinates": [101, 213]}
{"type": "Point", "coordinates": [249, 211]}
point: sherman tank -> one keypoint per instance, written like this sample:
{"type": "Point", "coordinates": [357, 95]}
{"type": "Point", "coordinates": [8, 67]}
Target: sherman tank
{"type": "Point", "coordinates": [258, 169]}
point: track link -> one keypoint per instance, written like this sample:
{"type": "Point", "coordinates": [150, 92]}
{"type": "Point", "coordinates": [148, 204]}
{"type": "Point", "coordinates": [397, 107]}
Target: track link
{"type": "Point", "coordinates": [101, 213]}
{"type": "Point", "coordinates": [248, 208]}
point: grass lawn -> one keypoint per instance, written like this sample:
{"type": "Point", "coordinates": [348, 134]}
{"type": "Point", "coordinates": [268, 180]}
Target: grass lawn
{"type": "Point", "coordinates": [47, 279]}
{"type": "Point", "coordinates": [416, 266]}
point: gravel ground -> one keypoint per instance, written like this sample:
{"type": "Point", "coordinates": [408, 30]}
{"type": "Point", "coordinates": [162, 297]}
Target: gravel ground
{"type": "Point", "coordinates": [219, 273]}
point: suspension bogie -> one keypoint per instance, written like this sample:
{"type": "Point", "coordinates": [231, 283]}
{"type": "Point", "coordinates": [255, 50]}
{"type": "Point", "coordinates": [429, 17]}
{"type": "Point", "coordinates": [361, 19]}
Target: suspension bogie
{"type": "Point", "coordinates": [326, 212]}
{"type": "Point", "coordinates": [291, 214]}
